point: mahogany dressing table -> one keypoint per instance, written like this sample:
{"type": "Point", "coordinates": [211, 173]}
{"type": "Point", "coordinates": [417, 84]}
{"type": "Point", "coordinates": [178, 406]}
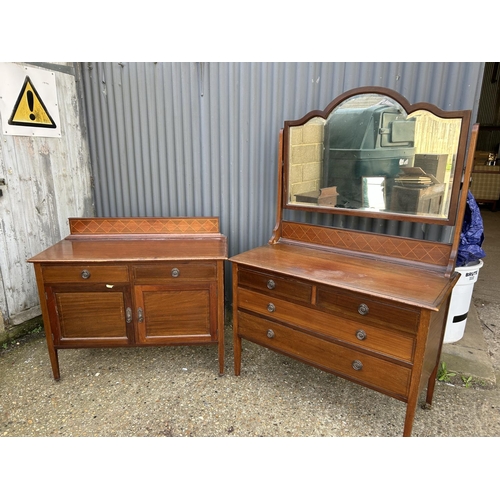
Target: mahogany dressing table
{"type": "Point", "coordinates": [363, 304]}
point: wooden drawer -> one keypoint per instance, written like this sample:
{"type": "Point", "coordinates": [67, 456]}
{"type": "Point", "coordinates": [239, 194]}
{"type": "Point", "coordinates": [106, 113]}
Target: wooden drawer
{"type": "Point", "coordinates": [174, 272]}
{"type": "Point", "coordinates": [375, 338]}
{"type": "Point", "coordinates": [83, 273]}
{"type": "Point", "coordinates": [275, 285]}
{"type": "Point", "coordinates": [360, 307]}
{"type": "Point", "coordinates": [377, 373]}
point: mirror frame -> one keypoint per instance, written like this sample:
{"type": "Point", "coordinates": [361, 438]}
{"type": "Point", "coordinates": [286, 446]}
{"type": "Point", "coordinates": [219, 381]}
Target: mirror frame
{"type": "Point", "coordinates": [464, 115]}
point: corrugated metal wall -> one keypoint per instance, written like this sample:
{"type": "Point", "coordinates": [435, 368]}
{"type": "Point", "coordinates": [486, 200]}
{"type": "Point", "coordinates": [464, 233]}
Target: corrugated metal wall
{"type": "Point", "coordinates": [193, 139]}
{"type": "Point", "coordinates": [488, 109]}
{"type": "Point", "coordinates": [488, 113]}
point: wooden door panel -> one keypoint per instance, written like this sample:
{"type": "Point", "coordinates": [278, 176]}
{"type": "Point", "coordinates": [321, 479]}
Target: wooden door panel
{"type": "Point", "coordinates": [174, 314]}
{"type": "Point", "coordinates": [91, 316]}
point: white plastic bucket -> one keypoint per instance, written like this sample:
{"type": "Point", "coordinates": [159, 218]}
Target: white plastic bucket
{"type": "Point", "coordinates": [460, 302]}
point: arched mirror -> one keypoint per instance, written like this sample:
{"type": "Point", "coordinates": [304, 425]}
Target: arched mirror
{"type": "Point", "coordinates": [372, 154]}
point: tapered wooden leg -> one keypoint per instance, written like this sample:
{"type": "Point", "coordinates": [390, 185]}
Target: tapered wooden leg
{"type": "Point", "coordinates": [431, 385]}
{"type": "Point", "coordinates": [54, 361]}
{"type": "Point", "coordinates": [412, 405]}
{"type": "Point", "coordinates": [410, 416]}
{"type": "Point", "coordinates": [236, 337]}
{"type": "Point", "coordinates": [220, 314]}
{"type": "Point", "coordinates": [221, 351]}
{"type": "Point", "coordinates": [237, 354]}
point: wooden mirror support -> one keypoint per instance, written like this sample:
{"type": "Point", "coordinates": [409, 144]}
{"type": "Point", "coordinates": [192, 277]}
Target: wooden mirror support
{"type": "Point", "coordinates": [123, 282]}
{"type": "Point", "coordinates": [365, 306]}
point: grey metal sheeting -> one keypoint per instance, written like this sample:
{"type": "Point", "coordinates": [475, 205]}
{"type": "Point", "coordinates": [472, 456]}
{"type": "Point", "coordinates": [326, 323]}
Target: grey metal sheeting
{"type": "Point", "coordinates": [200, 138]}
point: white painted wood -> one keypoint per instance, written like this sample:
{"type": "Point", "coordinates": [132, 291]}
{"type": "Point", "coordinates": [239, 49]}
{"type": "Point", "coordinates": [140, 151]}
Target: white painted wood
{"type": "Point", "coordinates": [47, 179]}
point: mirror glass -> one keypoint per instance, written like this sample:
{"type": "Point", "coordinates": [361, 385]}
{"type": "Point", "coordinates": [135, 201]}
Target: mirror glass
{"type": "Point", "coordinates": [368, 155]}
{"type": "Point", "coordinates": [373, 189]}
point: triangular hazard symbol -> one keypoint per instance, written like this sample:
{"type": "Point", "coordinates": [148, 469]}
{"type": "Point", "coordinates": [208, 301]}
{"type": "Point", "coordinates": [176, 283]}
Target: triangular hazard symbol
{"type": "Point", "coordinates": [29, 110]}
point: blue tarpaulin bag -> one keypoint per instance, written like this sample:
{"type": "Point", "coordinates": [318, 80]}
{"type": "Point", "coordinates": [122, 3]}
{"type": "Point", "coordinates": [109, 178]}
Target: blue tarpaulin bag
{"type": "Point", "coordinates": [472, 235]}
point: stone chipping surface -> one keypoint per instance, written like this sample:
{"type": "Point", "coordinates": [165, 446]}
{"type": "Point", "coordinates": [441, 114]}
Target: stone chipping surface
{"type": "Point", "coordinates": [177, 392]}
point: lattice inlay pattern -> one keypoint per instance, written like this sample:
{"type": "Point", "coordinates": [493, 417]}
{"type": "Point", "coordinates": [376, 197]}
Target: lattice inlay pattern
{"type": "Point", "coordinates": [145, 225]}
{"type": "Point", "coordinates": [401, 248]}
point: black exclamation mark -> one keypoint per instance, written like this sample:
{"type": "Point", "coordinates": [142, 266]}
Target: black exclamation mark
{"type": "Point", "coordinates": [31, 102]}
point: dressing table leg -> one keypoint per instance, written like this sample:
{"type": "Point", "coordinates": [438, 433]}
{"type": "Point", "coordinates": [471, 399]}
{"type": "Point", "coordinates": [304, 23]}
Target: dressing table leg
{"type": "Point", "coordinates": [237, 354]}
{"type": "Point", "coordinates": [236, 337]}
{"type": "Point", "coordinates": [221, 356]}
{"type": "Point", "coordinates": [220, 315]}
{"type": "Point", "coordinates": [410, 416]}
{"type": "Point", "coordinates": [431, 385]}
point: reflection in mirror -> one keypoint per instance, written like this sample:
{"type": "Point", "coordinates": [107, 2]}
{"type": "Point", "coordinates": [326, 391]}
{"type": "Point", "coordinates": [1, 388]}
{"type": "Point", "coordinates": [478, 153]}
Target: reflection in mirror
{"type": "Point", "coordinates": [332, 162]}
{"type": "Point", "coordinates": [374, 192]}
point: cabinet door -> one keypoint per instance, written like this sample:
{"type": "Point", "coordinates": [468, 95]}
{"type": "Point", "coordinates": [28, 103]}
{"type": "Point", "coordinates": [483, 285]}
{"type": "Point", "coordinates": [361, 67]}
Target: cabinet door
{"type": "Point", "coordinates": [176, 314]}
{"type": "Point", "coordinates": [90, 316]}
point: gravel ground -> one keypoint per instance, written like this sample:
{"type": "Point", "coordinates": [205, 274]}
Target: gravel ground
{"type": "Point", "coordinates": [176, 391]}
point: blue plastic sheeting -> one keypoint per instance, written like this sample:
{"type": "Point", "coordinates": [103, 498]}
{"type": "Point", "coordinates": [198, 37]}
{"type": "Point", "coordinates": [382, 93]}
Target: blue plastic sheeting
{"type": "Point", "coordinates": [472, 235]}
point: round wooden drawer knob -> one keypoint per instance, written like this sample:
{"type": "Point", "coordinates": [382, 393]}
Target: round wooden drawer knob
{"type": "Point", "coordinates": [361, 335]}
{"type": "Point", "coordinates": [357, 365]}
{"type": "Point", "coordinates": [363, 309]}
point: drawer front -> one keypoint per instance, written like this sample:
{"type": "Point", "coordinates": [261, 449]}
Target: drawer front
{"type": "Point", "coordinates": [275, 285]}
{"type": "Point", "coordinates": [83, 273]}
{"type": "Point", "coordinates": [370, 311]}
{"type": "Point", "coordinates": [383, 340]}
{"type": "Point", "coordinates": [380, 374]}
{"type": "Point", "coordinates": [174, 272]}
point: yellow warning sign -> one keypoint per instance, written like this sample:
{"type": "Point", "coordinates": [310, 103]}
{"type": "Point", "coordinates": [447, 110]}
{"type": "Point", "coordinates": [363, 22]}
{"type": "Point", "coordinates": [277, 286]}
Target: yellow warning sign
{"type": "Point", "coordinates": [29, 110]}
